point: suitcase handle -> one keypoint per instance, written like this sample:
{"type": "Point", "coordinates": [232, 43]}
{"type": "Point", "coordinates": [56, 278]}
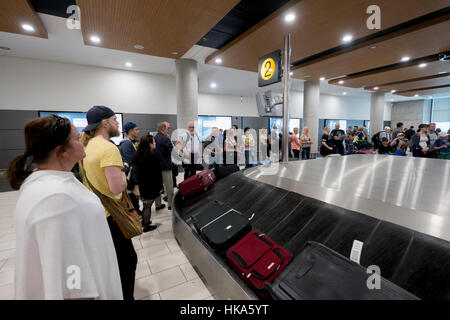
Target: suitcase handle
{"type": "Point", "coordinates": [259, 276]}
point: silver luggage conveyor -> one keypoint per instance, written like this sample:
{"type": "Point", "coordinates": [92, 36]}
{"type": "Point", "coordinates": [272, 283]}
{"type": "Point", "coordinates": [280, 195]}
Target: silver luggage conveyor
{"type": "Point", "coordinates": [399, 207]}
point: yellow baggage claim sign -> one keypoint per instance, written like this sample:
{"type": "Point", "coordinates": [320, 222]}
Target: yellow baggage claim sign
{"type": "Point", "coordinates": [269, 69]}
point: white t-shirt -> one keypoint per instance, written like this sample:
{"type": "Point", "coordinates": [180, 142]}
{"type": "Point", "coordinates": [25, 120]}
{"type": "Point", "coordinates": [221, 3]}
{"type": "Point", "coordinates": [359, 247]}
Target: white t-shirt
{"type": "Point", "coordinates": [62, 240]}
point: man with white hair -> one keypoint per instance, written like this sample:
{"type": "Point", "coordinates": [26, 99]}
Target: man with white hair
{"type": "Point", "coordinates": [190, 147]}
{"type": "Point", "coordinates": [387, 133]}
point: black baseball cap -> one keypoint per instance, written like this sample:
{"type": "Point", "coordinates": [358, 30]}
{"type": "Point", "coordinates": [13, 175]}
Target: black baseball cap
{"type": "Point", "coordinates": [95, 115]}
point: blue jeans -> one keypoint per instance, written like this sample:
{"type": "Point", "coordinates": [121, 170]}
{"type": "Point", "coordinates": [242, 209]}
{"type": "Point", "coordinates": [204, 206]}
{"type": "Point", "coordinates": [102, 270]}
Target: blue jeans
{"type": "Point", "coordinates": [306, 153]}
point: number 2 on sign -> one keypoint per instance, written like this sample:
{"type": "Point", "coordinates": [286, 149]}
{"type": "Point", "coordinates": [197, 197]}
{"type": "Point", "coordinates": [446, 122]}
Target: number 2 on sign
{"type": "Point", "coordinates": [267, 69]}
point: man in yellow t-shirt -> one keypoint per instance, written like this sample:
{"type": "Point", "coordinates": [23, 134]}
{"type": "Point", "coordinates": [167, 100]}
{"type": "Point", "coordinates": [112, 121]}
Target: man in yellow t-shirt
{"type": "Point", "coordinates": [103, 166]}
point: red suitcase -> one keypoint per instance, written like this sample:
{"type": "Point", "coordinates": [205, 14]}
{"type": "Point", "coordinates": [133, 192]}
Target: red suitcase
{"type": "Point", "coordinates": [257, 260]}
{"type": "Point", "coordinates": [195, 184]}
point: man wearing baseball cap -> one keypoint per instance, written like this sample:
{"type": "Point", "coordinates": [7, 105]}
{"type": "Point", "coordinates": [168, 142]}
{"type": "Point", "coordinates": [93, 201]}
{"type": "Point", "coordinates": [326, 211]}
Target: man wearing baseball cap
{"type": "Point", "coordinates": [103, 167]}
{"type": "Point", "coordinates": [442, 146]}
{"type": "Point", "coordinates": [128, 148]}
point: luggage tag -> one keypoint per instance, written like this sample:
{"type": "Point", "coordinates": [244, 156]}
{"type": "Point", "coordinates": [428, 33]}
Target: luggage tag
{"type": "Point", "coordinates": [355, 254]}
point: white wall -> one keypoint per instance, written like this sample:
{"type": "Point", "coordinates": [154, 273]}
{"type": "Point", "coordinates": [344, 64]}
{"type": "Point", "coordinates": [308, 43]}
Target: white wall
{"type": "Point", "coordinates": [27, 84]}
{"type": "Point", "coordinates": [225, 105]}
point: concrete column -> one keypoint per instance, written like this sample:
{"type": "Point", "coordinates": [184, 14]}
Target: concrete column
{"type": "Point", "coordinates": [187, 92]}
{"type": "Point", "coordinates": [376, 112]}
{"type": "Point", "coordinates": [311, 105]}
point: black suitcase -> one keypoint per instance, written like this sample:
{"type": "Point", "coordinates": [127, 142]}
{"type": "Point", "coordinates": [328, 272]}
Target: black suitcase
{"type": "Point", "coordinates": [225, 171]}
{"type": "Point", "coordinates": [209, 213]}
{"type": "Point", "coordinates": [319, 273]}
{"type": "Point", "coordinates": [222, 226]}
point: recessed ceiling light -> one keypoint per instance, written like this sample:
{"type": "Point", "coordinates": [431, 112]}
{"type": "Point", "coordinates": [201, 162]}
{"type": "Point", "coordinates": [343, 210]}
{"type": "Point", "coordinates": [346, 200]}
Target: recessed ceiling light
{"type": "Point", "coordinates": [306, 76]}
{"type": "Point", "coordinates": [213, 85]}
{"type": "Point", "coordinates": [289, 17]}
{"type": "Point", "coordinates": [28, 27]}
{"type": "Point", "coordinates": [393, 91]}
{"type": "Point", "coordinates": [291, 73]}
{"type": "Point", "coordinates": [416, 95]}
{"type": "Point", "coordinates": [218, 60]}
{"type": "Point", "coordinates": [129, 64]}
{"type": "Point", "coordinates": [322, 79]}
{"type": "Point", "coordinates": [347, 38]}
{"type": "Point", "coordinates": [404, 59]}
{"type": "Point", "coordinates": [95, 39]}
{"type": "Point", "coordinates": [372, 47]}
{"type": "Point", "coordinates": [430, 97]}
{"type": "Point", "coordinates": [341, 82]}
{"type": "Point", "coordinates": [138, 46]}
{"type": "Point", "coordinates": [375, 88]}
{"type": "Point", "coordinates": [422, 65]}
{"type": "Point", "coordinates": [175, 53]}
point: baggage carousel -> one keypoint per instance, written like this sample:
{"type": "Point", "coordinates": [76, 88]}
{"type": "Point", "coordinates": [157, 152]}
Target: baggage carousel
{"type": "Point", "coordinates": [399, 207]}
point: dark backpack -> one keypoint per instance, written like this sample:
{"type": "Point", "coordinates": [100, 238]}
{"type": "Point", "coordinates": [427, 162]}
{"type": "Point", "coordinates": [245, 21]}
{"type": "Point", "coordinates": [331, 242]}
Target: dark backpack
{"type": "Point", "coordinates": [376, 139]}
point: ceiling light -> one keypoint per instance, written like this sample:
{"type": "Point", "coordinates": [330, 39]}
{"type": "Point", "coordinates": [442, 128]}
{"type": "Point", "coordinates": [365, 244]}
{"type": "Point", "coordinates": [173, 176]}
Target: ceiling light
{"type": "Point", "coordinates": [95, 39]}
{"type": "Point", "coordinates": [27, 27]}
{"type": "Point", "coordinates": [416, 95]}
{"type": "Point", "coordinates": [175, 53]}
{"type": "Point", "coordinates": [289, 17]}
{"type": "Point", "coordinates": [341, 82]}
{"type": "Point", "coordinates": [430, 97]}
{"type": "Point", "coordinates": [344, 93]}
{"type": "Point", "coordinates": [213, 85]}
{"type": "Point", "coordinates": [138, 46]}
{"type": "Point", "coordinates": [393, 91]}
{"type": "Point", "coordinates": [219, 60]}
{"type": "Point", "coordinates": [404, 59]}
{"type": "Point", "coordinates": [375, 88]}
{"type": "Point", "coordinates": [129, 64]}
{"type": "Point", "coordinates": [291, 73]}
{"type": "Point", "coordinates": [372, 47]}
{"type": "Point", "coordinates": [442, 72]}
{"type": "Point", "coordinates": [422, 65]}
{"type": "Point", "coordinates": [347, 38]}
{"type": "Point", "coordinates": [322, 79]}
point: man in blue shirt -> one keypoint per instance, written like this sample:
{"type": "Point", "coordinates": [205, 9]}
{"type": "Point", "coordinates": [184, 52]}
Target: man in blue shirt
{"type": "Point", "coordinates": [442, 146]}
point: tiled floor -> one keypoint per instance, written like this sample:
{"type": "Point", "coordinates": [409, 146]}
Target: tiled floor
{"type": "Point", "coordinates": [163, 271]}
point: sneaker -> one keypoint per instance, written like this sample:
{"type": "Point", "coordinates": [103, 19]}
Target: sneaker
{"type": "Point", "coordinates": [149, 228]}
{"type": "Point", "coordinates": [160, 207]}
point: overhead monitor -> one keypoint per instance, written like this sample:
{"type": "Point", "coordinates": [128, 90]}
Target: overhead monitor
{"type": "Point", "coordinates": [78, 119]}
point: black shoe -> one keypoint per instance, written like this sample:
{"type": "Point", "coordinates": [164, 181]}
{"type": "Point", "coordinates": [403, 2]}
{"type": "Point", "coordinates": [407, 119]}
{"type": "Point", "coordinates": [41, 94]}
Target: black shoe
{"type": "Point", "coordinates": [165, 198]}
{"type": "Point", "coordinates": [149, 228]}
{"type": "Point", "coordinates": [160, 207]}
{"type": "Point", "coordinates": [170, 208]}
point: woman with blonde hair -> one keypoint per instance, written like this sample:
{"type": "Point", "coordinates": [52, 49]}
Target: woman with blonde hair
{"type": "Point", "coordinates": [295, 143]}
{"type": "Point", "coordinates": [305, 140]}
{"type": "Point", "coordinates": [327, 143]}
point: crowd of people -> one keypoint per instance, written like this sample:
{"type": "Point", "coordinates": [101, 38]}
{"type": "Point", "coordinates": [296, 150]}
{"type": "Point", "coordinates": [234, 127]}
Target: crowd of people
{"type": "Point", "coordinates": [427, 142]}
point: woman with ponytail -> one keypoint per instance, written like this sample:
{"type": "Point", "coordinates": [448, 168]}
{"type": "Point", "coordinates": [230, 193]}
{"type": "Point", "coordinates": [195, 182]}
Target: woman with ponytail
{"type": "Point", "coordinates": [64, 249]}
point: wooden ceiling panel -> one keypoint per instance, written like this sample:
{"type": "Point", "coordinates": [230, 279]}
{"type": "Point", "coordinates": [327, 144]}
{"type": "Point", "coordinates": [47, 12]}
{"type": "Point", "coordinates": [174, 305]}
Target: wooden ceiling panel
{"type": "Point", "coordinates": [424, 82]}
{"type": "Point", "coordinates": [15, 13]}
{"type": "Point", "coordinates": [395, 75]}
{"type": "Point", "coordinates": [319, 26]}
{"type": "Point", "coordinates": [426, 91]}
{"type": "Point", "coordinates": [161, 26]}
{"type": "Point", "coordinates": [420, 43]}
